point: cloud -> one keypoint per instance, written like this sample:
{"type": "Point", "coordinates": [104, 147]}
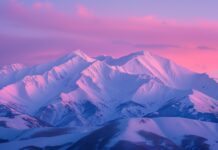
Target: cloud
{"type": "Point", "coordinates": [83, 11]}
{"type": "Point", "coordinates": [153, 46]}
{"type": "Point", "coordinates": [203, 47]}
{"type": "Point", "coordinates": [156, 46]}
{"type": "Point", "coordinates": [41, 27]}
{"type": "Point", "coordinates": [42, 5]}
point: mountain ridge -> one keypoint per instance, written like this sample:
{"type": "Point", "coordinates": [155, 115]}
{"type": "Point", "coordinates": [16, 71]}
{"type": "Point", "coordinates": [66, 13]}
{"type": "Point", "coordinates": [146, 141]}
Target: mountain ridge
{"type": "Point", "coordinates": [77, 79]}
{"type": "Point", "coordinates": [78, 100]}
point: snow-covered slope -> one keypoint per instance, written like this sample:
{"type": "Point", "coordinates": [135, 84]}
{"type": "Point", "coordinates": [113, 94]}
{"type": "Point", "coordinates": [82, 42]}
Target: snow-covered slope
{"type": "Point", "coordinates": [132, 134]}
{"type": "Point", "coordinates": [79, 90]}
{"type": "Point", "coordinates": [214, 75]}
{"type": "Point", "coordinates": [10, 73]}
{"type": "Point", "coordinates": [159, 133]}
{"type": "Point", "coordinates": [10, 118]}
{"type": "Point", "coordinates": [74, 99]}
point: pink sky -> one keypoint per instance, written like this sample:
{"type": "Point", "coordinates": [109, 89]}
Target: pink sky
{"type": "Point", "coordinates": [38, 31]}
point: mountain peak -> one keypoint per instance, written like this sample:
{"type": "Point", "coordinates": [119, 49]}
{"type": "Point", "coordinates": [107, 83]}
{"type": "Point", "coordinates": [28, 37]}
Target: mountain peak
{"type": "Point", "coordinates": [124, 59]}
{"type": "Point", "coordinates": [139, 53]}
{"type": "Point", "coordinates": [80, 54]}
{"type": "Point", "coordinates": [12, 67]}
{"type": "Point", "coordinates": [80, 97]}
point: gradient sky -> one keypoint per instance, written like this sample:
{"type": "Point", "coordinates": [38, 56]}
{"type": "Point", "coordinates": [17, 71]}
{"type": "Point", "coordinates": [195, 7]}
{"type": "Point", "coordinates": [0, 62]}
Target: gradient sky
{"type": "Point", "coordinates": [35, 31]}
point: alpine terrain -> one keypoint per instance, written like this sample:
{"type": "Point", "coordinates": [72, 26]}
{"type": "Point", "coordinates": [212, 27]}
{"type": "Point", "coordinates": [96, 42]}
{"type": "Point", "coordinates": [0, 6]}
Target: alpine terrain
{"type": "Point", "coordinates": [136, 102]}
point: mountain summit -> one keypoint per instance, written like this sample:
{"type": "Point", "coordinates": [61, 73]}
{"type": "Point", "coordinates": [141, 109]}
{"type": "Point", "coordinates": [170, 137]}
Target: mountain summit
{"type": "Point", "coordinates": [102, 93]}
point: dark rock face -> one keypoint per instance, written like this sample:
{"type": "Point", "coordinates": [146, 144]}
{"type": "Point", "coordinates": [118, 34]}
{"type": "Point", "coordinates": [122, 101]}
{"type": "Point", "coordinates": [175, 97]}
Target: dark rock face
{"type": "Point", "coordinates": [48, 114]}
{"type": "Point", "coordinates": [45, 113]}
{"type": "Point", "coordinates": [72, 113]}
{"type": "Point", "coordinates": [129, 146]}
{"type": "Point", "coordinates": [6, 112]}
{"type": "Point", "coordinates": [152, 142]}
{"type": "Point", "coordinates": [34, 122]}
{"type": "Point", "coordinates": [101, 140]}
{"type": "Point", "coordinates": [3, 124]}
{"type": "Point", "coordinates": [107, 138]}
{"type": "Point", "coordinates": [87, 108]}
{"type": "Point", "coordinates": [131, 109]}
{"type": "Point", "coordinates": [173, 109]}
{"type": "Point", "coordinates": [98, 139]}
{"type": "Point", "coordinates": [31, 148]}
{"type": "Point", "coordinates": [193, 142]}
{"type": "Point", "coordinates": [155, 141]}
{"type": "Point", "coordinates": [52, 132]}
{"type": "Point", "coordinates": [3, 141]}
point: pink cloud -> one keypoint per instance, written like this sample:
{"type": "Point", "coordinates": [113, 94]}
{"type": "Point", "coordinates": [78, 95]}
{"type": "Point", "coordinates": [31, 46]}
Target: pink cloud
{"type": "Point", "coordinates": [42, 6]}
{"type": "Point", "coordinates": [83, 11]}
{"type": "Point", "coordinates": [200, 61]}
{"type": "Point", "coordinates": [85, 30]}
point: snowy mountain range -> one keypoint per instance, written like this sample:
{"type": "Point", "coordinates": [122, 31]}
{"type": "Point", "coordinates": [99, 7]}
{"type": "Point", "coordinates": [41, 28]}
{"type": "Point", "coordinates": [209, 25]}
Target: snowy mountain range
{"type": "Point", "coordinates": [139, 101]}
{"type": "Point", "coordinates": [214, 75]}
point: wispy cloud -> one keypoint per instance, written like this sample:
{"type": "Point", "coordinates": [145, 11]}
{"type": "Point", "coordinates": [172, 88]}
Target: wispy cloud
{"type": "Point", "coordinates": [156, 46]}
{"type": "Point", "coordinates": [83, 11]}
{"type": "Point", "coordinates": [41, 26]}
{"type": "Point", "coordinates": [203, 47]}
{"type": "Point", "coordinates": [42, 6]}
